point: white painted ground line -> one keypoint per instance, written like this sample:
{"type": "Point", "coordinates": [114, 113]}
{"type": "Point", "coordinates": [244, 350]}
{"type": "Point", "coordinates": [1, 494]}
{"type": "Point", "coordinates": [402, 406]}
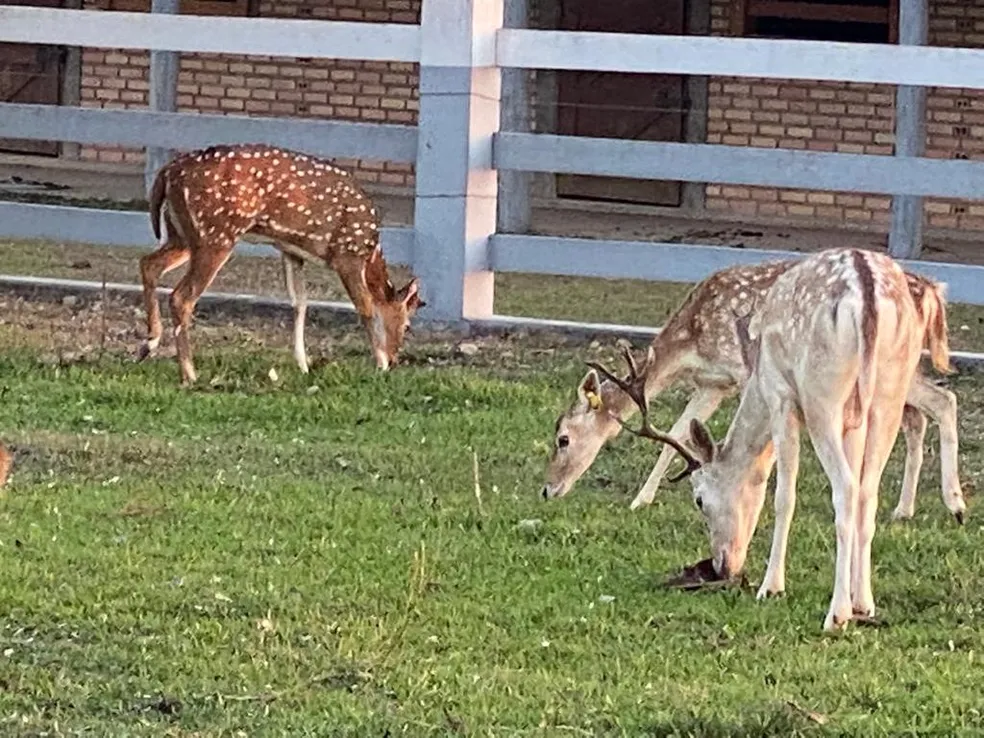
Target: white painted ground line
{"type": "Point", "coordinates": [493, 324]}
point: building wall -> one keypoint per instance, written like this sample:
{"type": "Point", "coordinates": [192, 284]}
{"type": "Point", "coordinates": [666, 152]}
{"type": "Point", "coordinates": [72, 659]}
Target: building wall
{"type": "Point", "coordinates": [768, 113]}
{"type": "Point", "coordinates": [376, 92]}
{"type": "Point", "coordinates": [844, 117]}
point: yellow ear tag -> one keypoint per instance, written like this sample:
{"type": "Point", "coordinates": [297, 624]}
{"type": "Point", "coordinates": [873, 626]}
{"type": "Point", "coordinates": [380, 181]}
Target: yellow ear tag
{"type": "Point", "coordinates": [594, 401]}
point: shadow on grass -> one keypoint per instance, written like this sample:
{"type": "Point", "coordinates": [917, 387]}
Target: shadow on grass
{"type": "Point", "coordinates": [780, 720]}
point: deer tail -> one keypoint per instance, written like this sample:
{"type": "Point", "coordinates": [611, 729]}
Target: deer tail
{"type": "Point", "coordinates": [937, 334]}
{"type": "Point", "coordinates": [157, 194]}
{"type": "Point", "coordinates": [866, 328]}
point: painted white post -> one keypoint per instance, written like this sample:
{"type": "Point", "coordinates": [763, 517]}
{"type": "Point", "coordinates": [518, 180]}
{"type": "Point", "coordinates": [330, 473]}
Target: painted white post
{"type": "Point", "coordinates": [164, 67]}
{"type": "Point", "coordinates": [905, 241]}
{"type": "Point", "coordinates": [455, 207]}
{"type": "Point", "coordinates": [515, 187]}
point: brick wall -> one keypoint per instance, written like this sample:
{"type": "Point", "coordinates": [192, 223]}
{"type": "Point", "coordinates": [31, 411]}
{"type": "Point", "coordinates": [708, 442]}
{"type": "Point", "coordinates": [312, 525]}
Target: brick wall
{"type": "Point", "coordinates": [271, 86]}
{"type": "Point", "coordinates": [844, 117]}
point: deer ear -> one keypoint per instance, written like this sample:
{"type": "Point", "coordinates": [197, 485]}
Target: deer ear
{"type": "Point", "coordinates": [410, 295]}
{"type": "Point", "coordinates": [702, 442]}
{"type": "Point", "coordinates": [589, 391]}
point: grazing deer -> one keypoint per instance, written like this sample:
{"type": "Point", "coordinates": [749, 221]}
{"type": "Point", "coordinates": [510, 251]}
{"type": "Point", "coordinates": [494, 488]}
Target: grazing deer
{"type": "Point", "coordinates": [835, 345]}
{"type": "Point", "coordinates": [699, 346]}
{"type": "Point", "coordinates": [208, 199]}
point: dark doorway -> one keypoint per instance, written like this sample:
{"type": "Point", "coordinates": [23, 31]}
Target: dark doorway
{"type": "Point", "coordinates": [643, 107]}
{"type": "Point", "coordinates": [31, 73]}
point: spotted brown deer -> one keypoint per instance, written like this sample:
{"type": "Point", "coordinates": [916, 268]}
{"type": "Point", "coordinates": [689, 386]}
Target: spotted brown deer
{"type": "Point", "coordinates": [207, 200]}
{"type": "Point", "coordinates": [834, 346]}
{"type": "Point", "coordinates": [699, 346]}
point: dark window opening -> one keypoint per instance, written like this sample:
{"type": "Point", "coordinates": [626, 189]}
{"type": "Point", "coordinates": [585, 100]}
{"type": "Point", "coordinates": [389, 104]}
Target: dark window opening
{"type": "Point", "coordinates": [859, 21]}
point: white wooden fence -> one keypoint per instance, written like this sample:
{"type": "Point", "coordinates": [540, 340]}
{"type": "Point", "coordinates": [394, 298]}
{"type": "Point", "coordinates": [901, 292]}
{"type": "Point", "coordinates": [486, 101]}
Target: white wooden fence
{"type": "Point", "coordinates": [457, 147]}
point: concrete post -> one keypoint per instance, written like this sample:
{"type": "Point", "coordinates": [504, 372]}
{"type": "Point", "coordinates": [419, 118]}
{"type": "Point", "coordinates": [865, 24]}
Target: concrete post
{"type": "Point", "coordinates": [515, 187]}
{"type": "Point", "coordinates": [905, 240]}
{"type": "Point", "coordinates": [164, 67]}
{"type": "Point", "coordinates": [455, 207]}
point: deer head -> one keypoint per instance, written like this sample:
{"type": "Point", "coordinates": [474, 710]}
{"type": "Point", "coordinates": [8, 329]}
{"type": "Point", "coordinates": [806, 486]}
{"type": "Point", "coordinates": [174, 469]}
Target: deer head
{"type": "Point", "coordinates": [728, 493]}
{"type": "Point", "coordinates": [392, 310]}
{"type": "Point", "coordinates": [593, 419]}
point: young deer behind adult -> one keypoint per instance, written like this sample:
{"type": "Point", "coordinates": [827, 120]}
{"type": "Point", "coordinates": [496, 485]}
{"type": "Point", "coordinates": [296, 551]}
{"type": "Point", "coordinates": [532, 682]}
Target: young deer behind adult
{"type": "Point", "coordinates": [700, 346]}
{"type": "Point", "coordinates": [207, 200]}
{"type": "Point", "coordinates": [834, 346]}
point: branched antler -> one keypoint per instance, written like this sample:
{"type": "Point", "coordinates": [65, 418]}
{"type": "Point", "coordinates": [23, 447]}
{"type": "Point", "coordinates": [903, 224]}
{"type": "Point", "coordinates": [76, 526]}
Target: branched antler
{"type": "Point", "coordinates": [635, 387]}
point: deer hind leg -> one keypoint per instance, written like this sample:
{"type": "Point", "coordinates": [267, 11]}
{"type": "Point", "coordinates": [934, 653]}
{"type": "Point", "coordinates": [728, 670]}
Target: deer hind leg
{"type": "Point", "coordinates": [701, 406]}
{"type": "Point", "coordinates": [826, 430]}
{"type": "Point", "coordinates": [206, 261]}
{"type": "Point", "coordinates": [786, 436]}
{"type": "Point", "coordinates": [152, 267]}
{"type": "Point", "coordinates": [294, 282]}
{"type": "Point", "coordinates": [941, 405]}
{"type": "Point", "coordinates": [882, 430]}
{"type": "Point", "coordinates": [914, 427]}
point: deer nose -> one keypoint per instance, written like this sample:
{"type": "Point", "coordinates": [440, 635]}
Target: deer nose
{"type": "Point", "coordinates": [724, 567]}
{"type": "Point", "coordinates": [545, 492]}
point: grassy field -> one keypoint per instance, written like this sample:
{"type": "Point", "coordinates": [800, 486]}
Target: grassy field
{"type": "Point", "coordinates": [307, 556]}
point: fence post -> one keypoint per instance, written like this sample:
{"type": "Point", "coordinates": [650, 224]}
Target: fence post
{"type": "Point", "coordinates": [515, 187]}
{"type": "Point", "coordinates": [455, 206]}
{"type": "Point", "coordinates": [905, 240]}
{"type": "Point", "coordinates": [164, 67]}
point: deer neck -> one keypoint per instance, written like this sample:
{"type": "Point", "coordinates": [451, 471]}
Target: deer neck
{"type": "Point", "coordinates": [749, 439]}
{"type": "Point", "coordinates": [616, 402]}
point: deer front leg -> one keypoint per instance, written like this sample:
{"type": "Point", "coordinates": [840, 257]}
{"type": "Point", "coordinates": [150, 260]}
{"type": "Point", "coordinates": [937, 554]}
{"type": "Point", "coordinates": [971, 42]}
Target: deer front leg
{"type": "Point", "coordinates": [294, 282]}
{"type": "Point", "coordinates": [941, 405]}
{"type": "Point", "coordinates": [152, 267]}
{"type": "Point", "coordinates": [701, 406]}
{"type": "Point", "coordinates": [351, 270]}
{"type": "Point", "coordinates": [914, 428]}
{"type": "Point", "coordinates": [786, 437]}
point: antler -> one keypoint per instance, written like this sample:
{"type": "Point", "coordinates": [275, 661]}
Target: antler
{"type": "Point", "coordinates": [634, 387]}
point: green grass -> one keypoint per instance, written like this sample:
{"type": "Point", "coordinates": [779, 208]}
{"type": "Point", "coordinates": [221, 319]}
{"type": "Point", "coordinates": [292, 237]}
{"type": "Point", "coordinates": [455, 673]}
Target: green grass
{"type": "Point", "coordinates": [265, 559]}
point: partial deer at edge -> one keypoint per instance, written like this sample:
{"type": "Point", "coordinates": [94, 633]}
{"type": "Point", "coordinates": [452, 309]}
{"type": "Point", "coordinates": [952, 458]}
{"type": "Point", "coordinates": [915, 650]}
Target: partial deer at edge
{"type": "Point", "coordinates": [835, 346]}
{"type": "Point", "coordinates": [700, 346]}
{"type": "Point", "coordinates": [311, 210]}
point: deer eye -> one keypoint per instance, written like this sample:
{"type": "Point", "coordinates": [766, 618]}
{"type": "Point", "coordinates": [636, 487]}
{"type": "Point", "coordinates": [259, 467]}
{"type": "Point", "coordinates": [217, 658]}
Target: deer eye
{"type": "Point", "coordinates": [563, 441]}
{"type": "Point", "coordinates": [699, 501]}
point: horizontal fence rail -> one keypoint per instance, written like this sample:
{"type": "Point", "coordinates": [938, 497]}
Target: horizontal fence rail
{"type": "Point", "coordinates": [132, 228]}
{"type": "Point", "coordinates": [675, 262]}
{"type": "Point", "coordinates": [210, 35]}
{"type": "Point", "coordinates": [460, 110]}
{"type": "Point", "coordinates": [721, 164]}
{"type": "Point", "coordinates": [187, 131]}
{"type": "Point", "coordinates": [741, 57]}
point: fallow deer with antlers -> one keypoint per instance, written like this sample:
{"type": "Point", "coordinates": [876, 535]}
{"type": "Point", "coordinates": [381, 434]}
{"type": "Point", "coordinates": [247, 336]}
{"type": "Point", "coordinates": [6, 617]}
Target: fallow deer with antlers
{"type": "Point", "coordinates": [700, 346]}
{"type": "Point", "coordinates": [312, 211]}
{"type": "Point", "coordinates": [835, 346]}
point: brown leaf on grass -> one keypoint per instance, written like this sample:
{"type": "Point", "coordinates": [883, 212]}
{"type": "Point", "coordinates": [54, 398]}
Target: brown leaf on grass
{"type": "Point", "coordinates": [810, 715]}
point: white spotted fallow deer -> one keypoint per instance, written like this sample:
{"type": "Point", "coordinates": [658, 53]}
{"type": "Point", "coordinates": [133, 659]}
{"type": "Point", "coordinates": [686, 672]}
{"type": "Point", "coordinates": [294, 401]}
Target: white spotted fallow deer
{"type": "Point", "coordinates": [700, 346]}
{"type": "Point", "coordinates": [207, 200]}
{"type": "Point", "coordinates": [834, 346]}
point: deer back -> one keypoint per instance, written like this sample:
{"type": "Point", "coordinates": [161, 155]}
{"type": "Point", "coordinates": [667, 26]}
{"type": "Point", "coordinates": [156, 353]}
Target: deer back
{"type": "Point", "coordinates": [223, 192]}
